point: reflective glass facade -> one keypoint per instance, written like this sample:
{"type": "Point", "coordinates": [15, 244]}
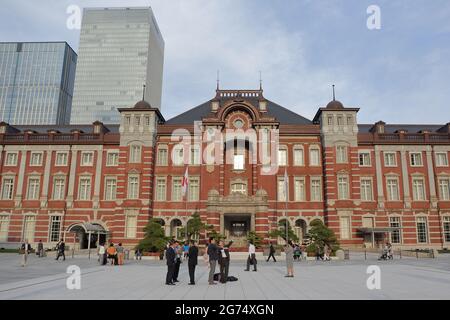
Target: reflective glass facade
{"type": "Point", "coordinates": [121, 49]}
{"type": "Point", "coordinates": [36, 82]}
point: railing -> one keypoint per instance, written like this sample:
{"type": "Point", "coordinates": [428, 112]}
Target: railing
{"type": "Point", "coordinates": [239, 93]}
{"type": "Point", "coordinates": [407, 138]}
{"type": "Point", "coordinates": [56, 138]}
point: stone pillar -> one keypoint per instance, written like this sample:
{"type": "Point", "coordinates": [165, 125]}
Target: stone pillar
{"type": "Point", "coordinates": [379, 173]}
{"type": "Point", "coordinates": [45, 183]}
{"type": "Point", "coordinates": [73, 167]}
{"type": "Point", "coordinates": [431, 180]}
{"type": "Point", "coordinates": [21, 177]}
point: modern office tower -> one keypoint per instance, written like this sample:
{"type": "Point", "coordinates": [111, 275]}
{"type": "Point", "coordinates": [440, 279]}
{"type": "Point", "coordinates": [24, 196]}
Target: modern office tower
{"type": "Point", "coordinates": [121, 49]}
{"type": "Point", "coordinates": [36, 82]}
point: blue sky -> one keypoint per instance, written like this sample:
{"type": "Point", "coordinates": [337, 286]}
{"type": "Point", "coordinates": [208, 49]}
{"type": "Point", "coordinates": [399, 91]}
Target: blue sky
{"type": "Point", "coordinates": [399, 74]}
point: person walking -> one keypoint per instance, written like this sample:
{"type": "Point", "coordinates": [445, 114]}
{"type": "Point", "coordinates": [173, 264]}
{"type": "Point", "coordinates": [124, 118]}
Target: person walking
{"type": "Point", "coordinates": [170, 261]}
{"type": "Point", "coordinates": [271, 253]}
{"type": "Point", "coordinates": [192, 261]}
{"type": "Point", "coordinates": [102, 254]}
{"type": "Point", "coordinates": [25, 249]}
{"type": "Point", "coordinates": [326, 252]}
{"type": "Point", "coordinates": [178, 254]}
{"type": "Point", "coordinates": [40, 249]}
{"type": "Point", "coordinates": [224, 260]}
{"type": "Point", "coordinates": [289, 251]}
{"type": "Point", "coordinates": [138, 254]}
{"type": "Point", "coordinates": [61, 248]}
{"type": "Point", "coordinates": [212, 258]}
{"type": "Point", "coordinates": [251, 256]}
{"type": "Point", "coordinates": [120, 254]}
{"type": "Point", "coordinates": [112, 253]}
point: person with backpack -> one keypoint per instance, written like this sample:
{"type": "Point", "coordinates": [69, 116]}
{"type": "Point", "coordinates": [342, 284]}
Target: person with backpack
{"type": "Point", "coordinates": [112, 253]}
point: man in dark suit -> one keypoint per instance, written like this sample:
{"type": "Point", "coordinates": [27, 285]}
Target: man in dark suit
{"type": "Point", "coordinates": [170, 257]}
{"type": "Point", "coordinates": [192, 261]}
{"type": "Point", "coordinates": [271, 253]}
{"type": "Point", "coordinates": [224, 260]}
{"type": "Point", "coordinates": [61, 247]}
{"type": "Point", "coordinates": [178, 252]}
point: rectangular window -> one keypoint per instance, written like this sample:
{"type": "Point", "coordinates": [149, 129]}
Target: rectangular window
{"type": "Point", "coordinates": [87, 158]}
{"type": "Point", "coordinates": [55, 228]}
{"type": "Point", "coordinates": [61, 159]}
{"type": "Point", "coordinates": [364, 159]}
{"type": "Point", "coordinates": [239, 188]}
{"type": "Point", "coordinates": [112, 159]}
{"type": "Point", "coordinates": [84, 189]}
{"type": "Point", "coordinates": [394, 222]}
{"type": "Point", "coordinates": [299, 189]}
{"type": "Point", "coordinates": [298, 157]}
{"type": "Point", "coordinates": [422, 230]}
{"type": "Point", "coordinates": [11, 159]}
{"type": "Point", "coordinates": [195, 155]}
{"type": "Point", "coordinates": [194, 189]}
{"type": "Point", "coordinates": [161, 189]}
{"type": "Point", "coordinates": [29, 225]}
{"type": "Point", "coordinates": [314, 157]}
{"type": "Point", "coordinates": [282, 192]}
{"type": "Point", "coordinates": [390, 159]}
{"type": "Point", "coordinates": [239, 161]}
{"type": "Point", "coordinates": [110, 188]}
{"type": "Point", "coordinates": [59, 188]}
{"type": "Point", "coordinates": [418, 189]}
{"type": "Point", "coordinates": [345, 229]}
{"type": "Point", "coordinates": [176, 189]}
{"type": "Point", "coordinates": [131, 226]}
{"type": "Point", "coordinates": [340, 121]}
{"type": "Point", "coordinates": [133, 187]}
{"type": "Point", "coordinates": [161, 159]}
{"type": "Point", "coordinates": [446, 229]}
{"type": "Point", "coordinates": [343, 188]}
{"type": "Point", "coordinates": [135, 154]}
{"type": "Point", "coordinates": [444, 189]}
{"type": "Point", "coordinates": [36, 159]}
{"type": "Point", "coordinates": [178, 156]}
{"type": "Point", "coordinates": [33, 189]}
{"type": "Point", "coordinates": [366, 190]}
{"type": "Point", "coordinates": [7, 188]}
{"type": "Point", "coordinates": [341, 154]}
{"type": "Point", "coordinates": [416, 159]}
{"type": "Point", "coordinates": [316, 189]}
{"type": "Point", "coordinates": [282, 157]}
{"type": "Point", "coordinates": [441, 159]}
{"type": "Point", "coordinates": [392, 189]}
{"type": "Point", "coordinates": [4, 226]}
{"type": "Point", "coordinates": [330, 120]}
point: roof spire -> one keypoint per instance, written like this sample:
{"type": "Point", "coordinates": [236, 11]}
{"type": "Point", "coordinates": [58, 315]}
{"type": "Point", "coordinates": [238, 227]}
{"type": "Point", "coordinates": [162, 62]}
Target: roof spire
{"type": "Point", "coordinates": [260, 80]}
{"type": "Point", "coordinates": [334, 97]}
{"type": "Point", "coordinates": [218, 79]}
{"type": "Point", "coordinates": [143, 92]}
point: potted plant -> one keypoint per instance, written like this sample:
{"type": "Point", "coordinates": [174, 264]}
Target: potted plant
{"type": "Point", "coordinates": [154, 241]}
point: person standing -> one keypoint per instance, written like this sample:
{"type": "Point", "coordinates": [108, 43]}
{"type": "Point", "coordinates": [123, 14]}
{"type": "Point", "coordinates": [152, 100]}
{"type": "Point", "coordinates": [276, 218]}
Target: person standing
{"type": "Point", "coordinates": [289, 251]}
{"type": "Point", "coordinates": [102, 254]}
{"type": "Point", "coordinates": [25, 248]}
{"type": "Point", "coordinates": [120, 254]}
{"type": "Point", "coordinates": [192, 261]}
{"type": "Point", "coordinates": [185, 250]}
{"type": "Point", "coordinates": [40, 249]}
{"type": "Point", "coordinates": [212, 257]}
{"type": "Point", "coordinates": [178, 253]}
{"type": "Point", "coordinates": [251, 256]}
{"type": "Point", "coordinates": [271, 253]}
{"type": "Point", "coordinates": [170, 261]}
{"type": "Point", "coordinates": [112, 253]}
{"type": "Point", "coordinates": [326, 252]}
{"type": "Point", "coordinates": [224, 260]}
{"type": "Point", "coordinates": [61, 247]}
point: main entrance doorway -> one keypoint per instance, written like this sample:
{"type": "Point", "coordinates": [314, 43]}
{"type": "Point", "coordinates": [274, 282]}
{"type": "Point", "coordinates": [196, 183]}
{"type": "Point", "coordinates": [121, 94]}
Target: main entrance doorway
{"type": "Point", "coordinates": [236, 228]}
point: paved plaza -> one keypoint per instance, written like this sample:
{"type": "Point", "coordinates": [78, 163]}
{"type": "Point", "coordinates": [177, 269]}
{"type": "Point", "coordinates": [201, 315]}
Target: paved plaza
{"type": "Point", "coordinates": [45, 278]}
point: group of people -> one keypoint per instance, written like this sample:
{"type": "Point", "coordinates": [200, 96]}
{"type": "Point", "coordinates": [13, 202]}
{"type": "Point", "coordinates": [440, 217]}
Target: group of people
{"type": "Point", "coordinates": [387, 252]}
{"type": "Point", "coordinates": [25, 250]}
{"type": "Point", "coordinates": [174, 254]}
{"type": "Point", "coordinates": [114, 253]}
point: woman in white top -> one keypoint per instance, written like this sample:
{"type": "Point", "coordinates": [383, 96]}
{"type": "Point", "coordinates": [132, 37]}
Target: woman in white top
{"type": "Point", "coordinates": [102, 254]}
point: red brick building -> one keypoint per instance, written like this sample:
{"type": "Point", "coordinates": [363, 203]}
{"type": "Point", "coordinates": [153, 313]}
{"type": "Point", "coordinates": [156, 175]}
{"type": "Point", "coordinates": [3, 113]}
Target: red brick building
{"type": "Point", "coordinates": [369, 183]}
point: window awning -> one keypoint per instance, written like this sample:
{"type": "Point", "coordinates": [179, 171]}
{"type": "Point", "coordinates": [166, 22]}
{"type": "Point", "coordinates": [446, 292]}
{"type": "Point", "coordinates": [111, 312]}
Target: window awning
{"type": "Point", "coordinates": [378, 229]}
{"type": "Point", "coordinates": [89, 228]}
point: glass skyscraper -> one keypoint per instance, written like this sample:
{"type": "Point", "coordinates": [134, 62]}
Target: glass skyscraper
{"type": "Point", "coordinates": [36, 82]}
{"type": "Point", "coordinates": [121, 49]}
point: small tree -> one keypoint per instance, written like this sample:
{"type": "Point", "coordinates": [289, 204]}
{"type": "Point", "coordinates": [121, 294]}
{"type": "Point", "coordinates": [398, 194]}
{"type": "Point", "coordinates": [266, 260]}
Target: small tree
{"type": "Point", "coordinates": [212, 233]}
{"type": "Point", "coordinates": [319, 235]}
{"type": "Point", "coordinates": [281, 232]}
{"type": "Point", "coordinates": [194, 227]}
{"type": "Point", "coordinates": [154, 239]}
{"type": "Point", "coordinates": [255, 239]}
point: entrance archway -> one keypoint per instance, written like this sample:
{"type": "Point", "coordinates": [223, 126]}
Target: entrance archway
{"type": "Point", "coordinates": [175, 226]}
{"type": "Point", "coordinates": [300, 229]}
{"type": "Point", "coordinates": [88, 235]}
